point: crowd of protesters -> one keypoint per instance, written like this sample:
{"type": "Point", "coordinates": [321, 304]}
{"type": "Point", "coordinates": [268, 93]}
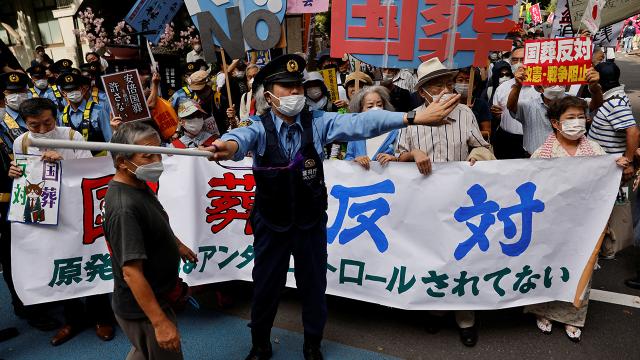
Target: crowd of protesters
{"type": "Point", "coordinates": [485, 114]}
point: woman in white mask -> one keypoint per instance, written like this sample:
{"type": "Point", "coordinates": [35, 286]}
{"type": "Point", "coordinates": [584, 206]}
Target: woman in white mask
{"type": "Point", "coordinates": [40, 117]}
{"type": "Point", "coordinates": [568, 119]}
{"type": "Point", "coordinates": [380, 148]}
{"type": "Point", "coordinates": [316, 93]}
{"type": "Point", "coordinates": [192, 121]}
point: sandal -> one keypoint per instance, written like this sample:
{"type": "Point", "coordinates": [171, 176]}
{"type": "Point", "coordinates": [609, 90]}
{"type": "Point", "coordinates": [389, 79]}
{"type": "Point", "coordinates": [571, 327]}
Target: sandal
{"type": "Point", "coordinates": [573, 333]}
{"type": "Point", "coordinates": [544, 325]}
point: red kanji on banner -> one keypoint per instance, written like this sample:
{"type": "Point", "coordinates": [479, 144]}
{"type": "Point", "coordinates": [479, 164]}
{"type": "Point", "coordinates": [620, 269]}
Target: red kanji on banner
{"type": "Point", "coordinates": [225, 203]}
{"type": "Point", "coordinates": [93, 193]}
{"type": "Point", "coordinates": [381, 21]}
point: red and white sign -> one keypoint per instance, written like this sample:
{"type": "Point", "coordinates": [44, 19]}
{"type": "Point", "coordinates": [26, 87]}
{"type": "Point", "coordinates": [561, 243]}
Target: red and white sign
{"type": "Point", "coordinates": [557, 61]}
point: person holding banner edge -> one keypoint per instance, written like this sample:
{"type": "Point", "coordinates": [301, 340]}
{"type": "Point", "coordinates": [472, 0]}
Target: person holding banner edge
{"type": "Point", "coordinates": [289, 216]}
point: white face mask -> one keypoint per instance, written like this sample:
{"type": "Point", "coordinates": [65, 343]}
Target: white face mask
{"type": "Point", "coordinates": [48, 135]}
{"type": "Point", "coordinates": [290, 105]}
{"type": "Point", "coordinates": [573, 129]}
{"type": "Point", "coordinates": [14, 100]}
{"type": "Point", "coordinates": [374, 108]}
{"type": "Point", "coordinates": [193, 126]}
{"type": "Point", "coordinates": [442, 98]}
{"type": "Point", "coordinates": [314, 93]}
{"type": "Point", "coordinates": [515, 67]}
{"type": "Point", "coordinates": [503, 79]}
{"type": "Point", "coordinates": [554, 92]}
{"type": "Point", "coordinates": [461, 88]}
{"type": "Point", "coordinates": [148, 172]}
{"type": "Point", "coordinates": [41, 84]}
{"type": "Point", "coordinates": [75, 96]}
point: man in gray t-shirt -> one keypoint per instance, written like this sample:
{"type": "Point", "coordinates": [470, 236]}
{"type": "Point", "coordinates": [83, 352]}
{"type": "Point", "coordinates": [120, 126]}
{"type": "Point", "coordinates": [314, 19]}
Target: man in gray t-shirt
{"type": "Point", "coordinates": [145, 252]}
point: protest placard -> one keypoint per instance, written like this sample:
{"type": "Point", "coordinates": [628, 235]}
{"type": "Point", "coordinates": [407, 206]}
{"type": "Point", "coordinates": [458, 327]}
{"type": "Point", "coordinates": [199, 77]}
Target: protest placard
{"type": "Point", "coordinates": [592, 16]}
{"type": "Point", "coordinates": [307, 6]}
{"type": "Point", "coordinates": [256, 25]}
{"type": "Point", "coordinates": [35, 195]}
{"type": "Point", "coordinates": [557, 61]}
{"type": "Point", "coordinates": [259, 57]}
{"type": "Point", "coordinates": [152, 15]}
{"type": "Point", "coordinates": [126, 96]}
{"type": "Point", "coordinates": [606, 36]}
{"type": "Point", "coordinates": [330, 80]}
{"type": "Point", "coordinates": [536, 16]}
{"type": "Point", "coordinates": [612, 12]}
{"type": "Point", "coordinates": [501, 235]}
{"type": "Point", "coordinates": [403, 34]}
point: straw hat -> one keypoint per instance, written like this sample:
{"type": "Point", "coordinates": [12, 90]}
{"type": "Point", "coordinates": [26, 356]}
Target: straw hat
{"type": "Point", "coordinates": [432, 69]}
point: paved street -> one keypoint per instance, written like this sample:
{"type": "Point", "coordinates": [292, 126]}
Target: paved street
{"type": "Point", "coordinates": [358, 330]}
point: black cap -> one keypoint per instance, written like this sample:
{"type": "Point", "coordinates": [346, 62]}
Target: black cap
{"type": "Point", "coordinates": [92, 67]}
{"type": "Point", "coordinates": [70, 81]}
{"type": "Point", "coordinates": [13, 81]}
{"type": "Point", "coordinates": [37, 70]}
{"type": "Point", "coordinates": [609, 75]}
{"type": "Point", "coordinates": [283, 69]}
{"type": "Point", "coordinates": [61, 65]}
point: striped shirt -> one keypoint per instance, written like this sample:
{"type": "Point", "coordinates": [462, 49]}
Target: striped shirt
{"type": "Point", "coordinates": [451, 142]}
{"type": "Point", "coordinates": [611, 121]}
{"type": "Point", "coordinates": [536, 128]}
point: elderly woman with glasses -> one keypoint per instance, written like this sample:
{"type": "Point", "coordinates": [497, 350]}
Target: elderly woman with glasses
{"type": "Point", "coordinates": [380, 148]}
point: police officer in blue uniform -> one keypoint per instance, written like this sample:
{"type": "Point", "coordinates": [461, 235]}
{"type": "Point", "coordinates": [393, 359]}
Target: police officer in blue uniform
{"type": "Point", "coordinates": [96, 91]}
{"type": "Point", "coordinates": [14, 90]}
{"type": "Point", "coordinates": [84, 116]}
{"type": "Point", "coordinates": [40, 86]}
{"type": "Point", "coordinates": [289, 216]}
{"type": "Point", "coordinates": [58, 67]}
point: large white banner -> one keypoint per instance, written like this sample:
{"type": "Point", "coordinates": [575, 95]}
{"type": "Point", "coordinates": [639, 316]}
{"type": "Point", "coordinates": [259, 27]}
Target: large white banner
{"type": "Point", "coordinates": [495, 235]}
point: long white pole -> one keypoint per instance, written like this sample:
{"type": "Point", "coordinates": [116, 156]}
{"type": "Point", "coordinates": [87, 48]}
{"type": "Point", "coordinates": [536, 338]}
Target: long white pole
{"type": "Point", "coordinates": [101, 146]}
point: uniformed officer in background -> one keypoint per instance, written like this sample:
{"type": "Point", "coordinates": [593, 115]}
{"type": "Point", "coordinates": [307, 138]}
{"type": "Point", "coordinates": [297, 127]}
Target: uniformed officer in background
{"type": "Point", "coordinates": [289, 215]}
{"type": "Point", "coordinates": [82, 115]}
{"type": "Point", "coordinates": [13, 86]}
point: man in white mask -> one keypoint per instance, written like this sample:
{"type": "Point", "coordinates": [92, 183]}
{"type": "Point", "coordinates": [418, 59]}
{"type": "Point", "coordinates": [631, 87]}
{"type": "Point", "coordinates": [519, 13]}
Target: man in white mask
{"type": "Point", "coordinates": [145, 252]}
{"type": "Point", "coordinates": [289, 216]}
{"type": "Point", "coordinates": [532, 113]}
{"type": "Point", "coordinates": [41, 88]}
{"type": "Point", "coordinates": [14, 85]}
{"type": "Point", "coordinates": [40, 117]}
{"type": "Point", "coordinates": [196, 53]}
{"type": "Point", "coordinates": [507, 141]}
{"type": "Point", "coordinates": [192, 119]}
{"type": "Point", "coordinates": [84, 116]}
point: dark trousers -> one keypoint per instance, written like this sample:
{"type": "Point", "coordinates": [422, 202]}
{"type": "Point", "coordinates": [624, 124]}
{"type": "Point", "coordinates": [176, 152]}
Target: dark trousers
{"type": "Point", "coordinates": [93, 310]}
{"type": "Point", "coordinates": [508, 146]}
{"type": "Point", "coordinates": [273, 251]}
{"type": "Point", "coordinates": [5, 258]}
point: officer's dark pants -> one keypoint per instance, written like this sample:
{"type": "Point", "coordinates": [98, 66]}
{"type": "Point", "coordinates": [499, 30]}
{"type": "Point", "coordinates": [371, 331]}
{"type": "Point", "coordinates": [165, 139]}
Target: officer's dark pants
{"type": "Point", "coordinates": [5, 258]}
{"type": "Point", "coordinates": [95, 309]}
{"type": "Point", "coordinates": [273, 251]}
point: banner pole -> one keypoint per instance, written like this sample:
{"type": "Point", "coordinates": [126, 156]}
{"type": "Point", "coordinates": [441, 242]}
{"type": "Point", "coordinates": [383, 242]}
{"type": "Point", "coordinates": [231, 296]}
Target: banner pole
{"type": "Point", "coordinates": [125, 148]}
{"type": "Point", "coordinates": [226, 76]}
{"type": "Point", "coordinates": [472, 75]}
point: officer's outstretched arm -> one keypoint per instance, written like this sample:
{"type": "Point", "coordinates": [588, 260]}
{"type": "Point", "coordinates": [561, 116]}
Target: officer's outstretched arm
{"type": "Point", "coordinates": [222, 150]}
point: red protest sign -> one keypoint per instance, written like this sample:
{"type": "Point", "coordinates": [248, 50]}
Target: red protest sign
{"type": "Point", "coordinates": [126, 96]}
{"type": "Point", "coordinates": [557, 61]}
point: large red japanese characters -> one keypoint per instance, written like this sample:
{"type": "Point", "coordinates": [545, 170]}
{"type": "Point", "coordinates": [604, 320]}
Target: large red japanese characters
{"type": "Point", "coordinates": [405, 33]}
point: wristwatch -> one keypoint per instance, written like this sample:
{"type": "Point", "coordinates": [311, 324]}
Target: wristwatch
{"type": "Point", "coordinates": [411, 116]}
